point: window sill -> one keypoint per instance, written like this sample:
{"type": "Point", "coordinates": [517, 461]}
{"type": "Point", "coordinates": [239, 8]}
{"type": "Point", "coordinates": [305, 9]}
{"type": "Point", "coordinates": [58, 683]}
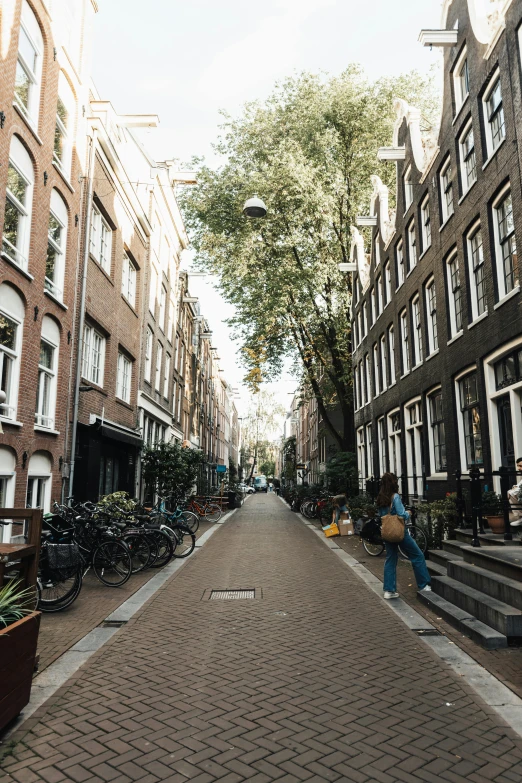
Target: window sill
{"type": "Point", "coordinates": [459, 110]}
{"type": "Point", "coordinates": [404, 375]}
{"type": "Point", "coordinates": [461, 199]}
{"type": "Point", "coordinates": [129, 305]}
{"type": "Point", "coordinates": [490, 158]}
{"type": "Point", "coordinates": [399, 287]}
{"type": "Point", "coordinates": [424, 252]}
{"type": "Point", "coordinates": [60, 171]}
{"type": "Point", "coordinates": [507, 297]}
{"type": "Point", "coordinates": [478, 319]}
{"type": "Point", "coordinates": [104, 271]}
{"type": "Point", "coordinates": [457, 337]}
{"type": "Point", "coordinates": [99, 389]}
{"type": "Point", "coordinates": [5, 420]}
{"type": "Point", "coordinates": [48, 430]}
{"type": "Point", "coordinates": [10, 261]}
{"type": "Point", "coordinates": [28, 122]}
{"type": "Point", "coordinates": [124, 404]}
{"type": "Point", "coordinates": [417, 366]}
{"type": "Point", "coordinates": [432, 354]}
{"type": "Point", "coordinates": [55, 299]}
{"type": "Point", "coordinates": [443, 225]}
{"type": "Point", "coordinates": [392, 385]}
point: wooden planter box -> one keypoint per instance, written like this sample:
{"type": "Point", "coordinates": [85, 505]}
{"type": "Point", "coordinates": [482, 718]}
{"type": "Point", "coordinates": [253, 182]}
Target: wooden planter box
{"type": "Point", "coordinates": [17, 657]}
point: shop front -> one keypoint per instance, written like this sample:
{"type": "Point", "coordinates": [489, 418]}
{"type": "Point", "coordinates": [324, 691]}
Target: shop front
{"type": "Point", "coordinates": [106, 461]}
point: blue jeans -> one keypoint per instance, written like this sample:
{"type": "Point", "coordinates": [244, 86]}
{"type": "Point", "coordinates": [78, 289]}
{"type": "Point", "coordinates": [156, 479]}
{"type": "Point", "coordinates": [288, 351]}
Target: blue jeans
{"type": "Point", "coordinates": [410, 548]}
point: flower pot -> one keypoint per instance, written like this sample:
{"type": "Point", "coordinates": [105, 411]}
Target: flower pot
{"type": "Point", "coordinates": [496, 523]}
{"type": "Point", "coordinates": [17, 657]}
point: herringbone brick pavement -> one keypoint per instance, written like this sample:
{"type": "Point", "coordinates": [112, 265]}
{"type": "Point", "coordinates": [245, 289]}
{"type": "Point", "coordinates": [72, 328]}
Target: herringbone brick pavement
{"type": "Point", "coordinates": [316, 680]}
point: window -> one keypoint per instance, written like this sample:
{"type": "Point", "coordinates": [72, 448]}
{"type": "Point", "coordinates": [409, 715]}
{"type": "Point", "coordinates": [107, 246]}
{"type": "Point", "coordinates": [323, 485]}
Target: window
{"type": "Point", "coordinates": [408, 189]}
{"type": "Point", "coordinates": [359, 334]}
{"type": "Point", "coordinates": [148, 355]}
{"type": "Point", "coordinates": [446, 191]}
{"type": "Point", "coordinates": [356, 393]}
{"type": "Point", "coordinates": [468, 162]}
{"type": "Point", "coordinates": [153, 290]}
{"type": "Point", "coordinates": [417, 331]}
{"type": "Point", "coordinates": [494, 116]}
{"type": "Point", "coordinates": [381, 430]}
{"type": "Point", "coordinates": [170, 327]}
{"type": "Point", "coordinates": [369, 450]}
{"type": "Point", "coordinates": [414, 447]}
{"type": "Point", "coordinates": [455, 295]}
{"type": "Point", "coordinates": [405, 342]}
{"type": "Point", "coordinates": [12, 313]}
{"type": "Point", "coordinates": [354, 335]}
{"type": "Point", "coordinates": [461, 80]}
{"type": "Point", "coordinates": [123, 380]}
{"type": "Point", "coordinates": [508, 370]}
{"type": "Point", "coordinates": [56, 245]}
{"type": "Point", "coordinates": [367, 377]}
{"type": "Point", "coordinates": [377, 244]}
{"type": "Point", "coordinates": [470, 414]}
{"type": "Point", "coordinates": [391, 354]}
{"type": "Point", "coordinates": [64, 126]}
{"type": "Point", "coordinates": [16, 236]}
{"type": "Point", "coordinates": [387, 283]}
{"type": "Point", "coordinates": [362, 385]}
{"type": "Point", "coordinates": [380, 303]}
{"type": "Point", "coordinates": [376, 374]}
{"type": "Point", "coordinates": [29, 66]}
{"type": "Point", "coordinates": [166, 377]}
{"type": "Point", "coordinates": [93, 355]}
{"type": "Point", "coordinates": [426, 224]}
{"type": "Point", "coordinates": [39, 481]}
{"type": "Point", "coordinates": [101, 240]}
{"type": "Point", "coordinates": [361, 452]}
{"type": "Point", "coordinates": [412, 246]}
{"type": "Point", "coordinates": [399, 259]}
{"type": "Point", "coordinates": [128, 280]}
{"type": "Point", "coordinates": [7, 487]}
{"type": "Point", "coordinates": [505, 245]}
{"type": "Point", "coordinates": [431, 309]}
{"type": "Point", "coordinates": [365, 320]}
{"type": "Point", "coordinates": [476, 273]}
{"type": "Point", "coordinates": [394, 442]}
{"type": "Point", "coordinates": [47, 367]}
{"type": "Point", "coordinates": [159, 359]}
{"type": "Point", "coordinates": [163, 304]}
{"type": "Point", "coordinates": [437, 433]}
{"type": "Point", "coordinates": [373, 306]}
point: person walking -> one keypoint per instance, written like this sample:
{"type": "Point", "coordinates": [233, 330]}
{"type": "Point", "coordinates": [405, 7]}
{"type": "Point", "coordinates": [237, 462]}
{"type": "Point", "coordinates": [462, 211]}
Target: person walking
{"type": "Point", "coordinates": [389, 502]}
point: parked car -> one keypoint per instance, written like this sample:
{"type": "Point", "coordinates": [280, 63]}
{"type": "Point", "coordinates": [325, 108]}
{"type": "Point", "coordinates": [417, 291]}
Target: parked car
{"type": "Point", "coordinates": [246, 489]}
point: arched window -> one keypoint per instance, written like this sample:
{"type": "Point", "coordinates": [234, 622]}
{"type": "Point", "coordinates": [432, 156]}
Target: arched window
{"type": "Point", "coordinates": [64, 128]}
{"type": "Point", "coordinates": [56, 246]}
{"type": "Point", "coordinates": [7, 486]}
{"type": "Point", "coordinates": [16, 235]}
{"type": "Point", "coordinates": [47, 367]}
{"type": "Point", "coordinates": [12, 312]}
{"type": "Point", "coordinates": [39, 481]}
{"type": "Point", "coordinates": [29, 65]}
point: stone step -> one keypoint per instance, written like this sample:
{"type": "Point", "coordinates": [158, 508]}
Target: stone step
{"type": "Point", "coordinates": [497, 614]}
{"type": "Point", "coordinates": [465, 536]}
{"type": "Point", "coordinates": [453, 546]}
{"type": "Point", "coordinates": [464, 622]}
{"type": "Point", "coordinates": [500, 587]}
{"type": "Point", "coordinates": [441, 557]}
{"type": "Point", "coordinates": [435, 569]}
{"type": "Point", "coordinates": [503, 560]}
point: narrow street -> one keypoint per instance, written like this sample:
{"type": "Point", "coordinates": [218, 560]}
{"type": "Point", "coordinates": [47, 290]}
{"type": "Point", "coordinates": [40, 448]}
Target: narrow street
{"type": "Point", "coordinates": [314, 679]}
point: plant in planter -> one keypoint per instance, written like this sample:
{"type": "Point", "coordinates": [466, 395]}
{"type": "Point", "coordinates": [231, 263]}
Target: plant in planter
{"type": "Point", "coordinates": [19, 626]}
{"type": "Point", "coordinates": [440, 519]}
{"type": "Point", "coordinates": [492, 508]}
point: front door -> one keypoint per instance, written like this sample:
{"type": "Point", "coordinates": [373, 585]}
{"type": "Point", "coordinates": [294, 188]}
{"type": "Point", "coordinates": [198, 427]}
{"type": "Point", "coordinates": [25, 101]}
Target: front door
{"type": "Point", "coordinates": [505, 426]}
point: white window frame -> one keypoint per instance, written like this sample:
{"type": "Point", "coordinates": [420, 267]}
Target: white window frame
{"type": "Point", "coordinates": [369, 451]}
{"type": "Point", "coordinates": [431, 311]}
{"type": "Point", "coordinates": [20, 162]}
{"type": "Point", "coordinates": [368, 379]}
{"type": "Point", "coordinates": [58, 247]}
{"type": "Point", "coordinates": [476, 272]}
{"type": "Point", "coordinates": [377, 244]}
{"type": "Point", "coordinates": [461, 80]}
{"type": "Point", "coordinates": [163, 307]}
{"type": "Point", "coordinates": [166, 375]}
{"type": "Point", "coordinates": [431, 436]}
{"type": "Point", "coordinates": [391, 354]}
{"type": "Point", "coordinates": [46, 389]}
{"type": "Point", "coordinates": [387, 283]}
{"type": "Point", "coordinates": [361, 453]}
{"type": "Point", "coordinates": [416, 320]}
{"type": "Point", "coordinates": [407, 189]}
{"type": "Point", "coordinates": [405, 341]}
{"type": "Point", "coordinates": [147, 370]}
{"type": "Point", "coordinates": [461, 420]}
{"type": "Point", "coordinates": [101, 240]}
{"type": "Point", "coordinates": [7, 497]}
{"type": "Point", "coordinates": [399, 263]}
{"type": "Point", "coordinates": [159, 360]}
{"type": "Point", "coordinates": [373, 306]}
{"type": "Point", "coordinates": [64, 130]}
{"type": "Point", "coordinates": [170, 326]}
{"type": "Point", "coordinates": [426, 224]}
{"type": "Point", "coordinates": [124, 378]}
{"type": "Point", "coordinates": [468, 158]}
{"type": "Point", "coordinates": [381, 436]}
{"type": "Point", "coordinates": [365, 320]}
{"type": "Point", "coordinates": [30, 28]}
{"type": "Point", "coordinates": [494, 121]}
{"type": "Point", "coordinates": [455, 299]}
{"type": "Point", "coordinates": [153, 289]}
{"type": "Point", "coordinates": [447, 202]}
{"type": "Point", "coordinates": [8, 409]}
{"type": "Point", "coordinates": [384, 362]}
{"type": "Point", "coordinates": [380, 297]}
{"type": "Point", "coordinates": [394, 443]}
{"type": "Point", "coordinates": [500, 265]}
{"type": "Point", "coordinates": [93, 355]}
{"type": "Point", "coordinates": [413, 424]}
{"type": "Point", "coordinates": [412, 245]}
{"type": "Point", "coordinates": [376, 373]}
{"type": "Point", "coordinates": [34, 483]}
{"type": "Point", "coordinates": [128, 279]}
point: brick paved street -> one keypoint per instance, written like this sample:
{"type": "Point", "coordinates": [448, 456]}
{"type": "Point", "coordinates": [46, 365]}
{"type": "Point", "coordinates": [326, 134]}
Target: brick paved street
{"type": "Point", "coordinates": [314, 680]}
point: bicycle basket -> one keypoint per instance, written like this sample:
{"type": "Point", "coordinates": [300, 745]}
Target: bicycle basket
{"type": "Point", "coordinates": [64, 558]}
{"type": "Point", "coordinates": [371, 531]}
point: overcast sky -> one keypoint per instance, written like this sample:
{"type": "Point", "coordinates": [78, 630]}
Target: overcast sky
{"type": "Point", "coordinates": [187, 59]}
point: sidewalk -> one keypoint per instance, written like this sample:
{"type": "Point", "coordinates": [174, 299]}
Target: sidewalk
{"type": "Point", "coordinates": [313, 680]}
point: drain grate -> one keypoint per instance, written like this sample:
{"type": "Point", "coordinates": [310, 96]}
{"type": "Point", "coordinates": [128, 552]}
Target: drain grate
{"type": "Point", "coordinates": [231, 595]}
{"type": "Point", "coordinates": [113, 623]}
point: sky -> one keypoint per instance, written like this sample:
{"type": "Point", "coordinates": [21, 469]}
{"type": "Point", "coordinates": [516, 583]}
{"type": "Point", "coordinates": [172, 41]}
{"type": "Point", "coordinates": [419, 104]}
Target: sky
{"type": "Point", "coordinates": [186, 60]}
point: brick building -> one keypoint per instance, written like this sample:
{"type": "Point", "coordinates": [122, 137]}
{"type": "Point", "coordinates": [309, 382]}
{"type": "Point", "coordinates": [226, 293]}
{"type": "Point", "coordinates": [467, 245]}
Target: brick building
{"type": "Point", "coordinates": [43, 92]}
{"type": "Point", "coordinates": [437, 327]}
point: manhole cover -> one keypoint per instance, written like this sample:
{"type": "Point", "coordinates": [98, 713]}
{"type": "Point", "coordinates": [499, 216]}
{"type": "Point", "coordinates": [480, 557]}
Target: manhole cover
{"type": "Point", "coordinates": [231, 595]}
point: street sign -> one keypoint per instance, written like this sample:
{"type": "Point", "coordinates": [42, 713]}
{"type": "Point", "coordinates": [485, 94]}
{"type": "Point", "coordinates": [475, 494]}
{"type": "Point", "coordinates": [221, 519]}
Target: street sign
{"type": "Point", "coordinates": [221, 468]}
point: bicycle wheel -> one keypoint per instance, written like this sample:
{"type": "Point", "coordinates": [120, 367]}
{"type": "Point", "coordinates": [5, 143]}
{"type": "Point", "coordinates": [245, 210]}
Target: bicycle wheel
{"type": "Point", "coordinates": [212, 512]}
{"type": "Point", "coordinates": [420, 538]}
{"type": "Point", "coordinates": [373, 549]}
{"type": "Point", "coordinates": [112, 563]}
{"type": "Point", "coordinates": [139, 549]}
{"type": "Point", "coordinates": [185, 542]}
{"type": "Point", "coordinates": [190, 520]}
{"type": "Point", "coordinates": [55, 595]}
{"type": "Point", "coordinates": [165, 549]}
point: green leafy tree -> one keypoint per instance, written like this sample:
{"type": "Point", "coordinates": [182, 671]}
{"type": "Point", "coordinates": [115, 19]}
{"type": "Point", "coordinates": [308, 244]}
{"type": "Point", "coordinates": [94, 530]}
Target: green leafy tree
{"type": "Point", "coordinates": [268, 468]}
{"type": "Point", "coordinates": [171, 470]}
{"type": "Point", "coordinates": [342, 474]}
{"type": "Point", "coordinates": [309, 151]}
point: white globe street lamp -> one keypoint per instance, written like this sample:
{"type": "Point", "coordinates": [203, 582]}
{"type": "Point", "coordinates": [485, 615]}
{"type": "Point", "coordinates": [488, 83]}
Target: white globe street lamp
{"type": "Point", "coordinates": [254, 208]}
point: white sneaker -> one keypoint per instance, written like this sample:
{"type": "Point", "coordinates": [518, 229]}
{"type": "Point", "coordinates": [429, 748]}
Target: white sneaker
{"type": "Point", "coordinates": [388, 595]}
{"type": "Point", "coordinates": [426, 589]}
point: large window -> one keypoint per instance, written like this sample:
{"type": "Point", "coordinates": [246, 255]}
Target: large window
{"type": "Point", "coordinates": [166, 376]}
{"type": "Point", "coordinates": [361, 452]}
{"type": "Point", "coordinates": [93, 355]}
{"type": "Point", "coordinates": [506, 246]}
{"type": "Point", "coordinates": [163, 305]}
{"type": "Point", "coordinates": [476, 272]}
{"type": "Point", "coordinates": [455, 295]}
{"type": "Point", "coordinates": [412, 246]}
{"type": "Point", "coordinates": [508, 370]}
{"type": "Point", "coordinates": [399, 262]}
{"type": "Point", "coordinates": [128, 280]}
{"type": "Point", "coordinates": [387, 283]}
{"type": "Point", "coordinates": [384, 363]}
{"type": "Point", "coordinates": [426, 224]}
{"type": "Point", "coordinates": [381, 431]}
{"type": "Point", "coordinates": [368, 382]}
{"type": "Point", "coordinates": [153, 290]}
{"type": "Point", "coordinates": [16, 236]}
{"type": "Point", "coordinates": [39, 481]}
{"type": "Point", "coordinates": [380, 303]}
{"type": "Point", "coordinates": [56, 246]}
{"type": "Point", "coordinates": [468, 160]}
{"type": "Point", "coordinates": [391, 353]}
{"type": "Point", "coordinates": [494, 116]}
{"type": "Point", "coordinates": [414, 446]}
{"type": "Point", "coordinates": [373, 306]}
{"type": "Point", "coordinates": [101, 240]}
{"type": "Point", "coordinates": [364, 320]}
{"type": "Point", "coordinates": [437, 433]}
{"type": "Point", "coordinates": [417, 331]}
{"type": "Point", "coordinates": [405, 341]}
{"type": "Point", "coordinates": [461, 80]}
{"type": "Point", "coordinates": [431, 309]}
{"type": "Point", "coordinates": [170, 326]}
{"type": "Point", "coordinates": [29, 66]}
{"type": "Point", "coordinates": [47, 369]}
{"type": "Point", "coordinates": [376, 374]}
{"type": "Point", "coordinates": [124, 377]}
{"type": "Point", "coordinates": [470, 413]}
{"type": "Point", "coordinates": [148, 355]}
{"type": "Point", "coordinates": [446, 190]}
{"type": "Point", "coordinates": [11, 321]}
{"type": "Point", "coordinates": [63, 130]}
{"type": "Point", "coordinates": [159, 359]}
{"type": "Point", "coordinates": [394, 442]}
{"type": "Point", "coordinates": [369, 449]}
{"type": "Point", "coordinates": [408, 188]}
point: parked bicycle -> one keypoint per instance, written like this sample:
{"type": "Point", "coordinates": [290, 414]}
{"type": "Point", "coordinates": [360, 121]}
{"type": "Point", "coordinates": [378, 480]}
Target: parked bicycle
{"type": "Point", "coordinates": [372, 540]}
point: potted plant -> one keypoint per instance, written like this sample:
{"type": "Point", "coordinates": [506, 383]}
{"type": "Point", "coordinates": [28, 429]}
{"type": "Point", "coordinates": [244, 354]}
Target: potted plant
{"type": "Point", "coordinates": [492, 508]}
{"type": "Point", "coordinates": [19, 626]}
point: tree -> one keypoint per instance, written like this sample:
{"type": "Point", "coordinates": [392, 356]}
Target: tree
{"type": "Point", "coordinates": [260, 427]}
{"type": "Point", "coordinates": [342, 474]}
{"type": "Point", "coordinates": [309, 151]}
{"type": "Point", "coordinates": [169, 469]}
{"type": "Point", "coordinates": [267, 468]}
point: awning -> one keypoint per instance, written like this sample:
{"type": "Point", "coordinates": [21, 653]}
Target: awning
{"type": "Point", "coordinates": [123, 436]}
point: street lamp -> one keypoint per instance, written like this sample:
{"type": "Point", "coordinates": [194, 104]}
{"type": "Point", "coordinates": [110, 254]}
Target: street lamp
{"type": "Point", "coordinates": [254, 208]}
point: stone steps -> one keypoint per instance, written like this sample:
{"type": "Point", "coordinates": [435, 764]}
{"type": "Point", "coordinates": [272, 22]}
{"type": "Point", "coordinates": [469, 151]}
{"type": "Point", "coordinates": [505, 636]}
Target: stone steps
{"type": "Point", "coordinates": [486, 636]}
{"type": "Point", "coordinates": [500, 587]}
{"type": "Point", "coordinates": [441, 557]}
{"type": "Point", "coordinates": [502, 560]}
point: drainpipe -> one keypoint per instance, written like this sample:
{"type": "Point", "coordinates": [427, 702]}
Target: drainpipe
{"type": "Point", "coordinates": [81, 322]}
